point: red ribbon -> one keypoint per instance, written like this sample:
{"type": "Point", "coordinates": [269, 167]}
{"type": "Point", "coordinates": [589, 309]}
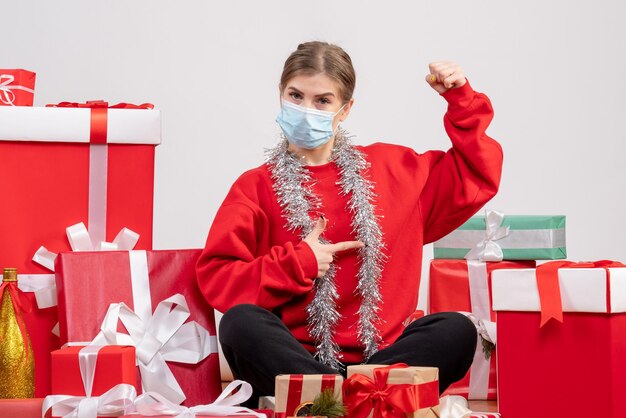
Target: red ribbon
{"type": "Point", "coordinates": [20, 305]}
{"type": "Point", "coordinates": [93, 104]}
{"type": "Point", "coordinates": [363, 395]}
{"type": "Point", "coordinates": [294, 392]}
{"type": "Point", "coordinates": [550, 291]}
{"type": "Point", "coordinates": [99, 116]}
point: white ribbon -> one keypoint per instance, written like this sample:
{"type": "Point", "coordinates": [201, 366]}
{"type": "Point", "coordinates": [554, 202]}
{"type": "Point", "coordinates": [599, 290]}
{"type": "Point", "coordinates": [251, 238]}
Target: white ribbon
{"type": "Point", "coordinates": [81, 240]}
{"type": "Point", "coordinates": [152, 403]}
{"type": "Point", "coordinates": [158, 337]}
{"type": "Point", "coordinates": [453, 406]}
{"type": "Point", "coordinates": [116, 401]}
{"type": "Point", "coordinates": [6, 94]}
{"type": "Point", "coordinates": [488, 249]}
{"type": "Point", "coordinates": [44, 285]}
{"type": "Point", "coordinates": [98, 180]}
{"type": "Point", "coordinates": [479, 301]}
{"type": "Point", "coordinates": [87, 359]}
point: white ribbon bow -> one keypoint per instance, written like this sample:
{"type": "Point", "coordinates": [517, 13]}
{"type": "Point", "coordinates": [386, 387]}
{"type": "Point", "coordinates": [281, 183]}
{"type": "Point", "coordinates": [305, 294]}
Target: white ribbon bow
{"type": "Point", "coordinates": [488, 249]}
{"type": "Point", "coordinates": [159, 338]}
{"type": "Point", "coordinates": [151, 404]}
{"type": "Point", "coordinates": [44, 286]}
{"type": "Point", "coordinates": [486, 329]}
{"type": "Point", "coordinates": [453, 406]}
{"type": "Point", "coordinates": [6, 89]}
{"type": "Point", "coordinates": [116, 401]}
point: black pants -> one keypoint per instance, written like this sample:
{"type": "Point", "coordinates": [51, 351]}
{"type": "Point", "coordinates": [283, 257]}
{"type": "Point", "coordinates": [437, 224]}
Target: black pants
{"type": "Point", "coordinates": [258, 347]}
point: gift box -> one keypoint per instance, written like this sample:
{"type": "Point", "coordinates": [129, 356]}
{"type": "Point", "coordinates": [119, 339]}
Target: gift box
{"type": "Point", "coordinates": [496, 237]}
{"type": "Point", "coordinates": [17, 87]}
{"type": "Point", "coordinates": [52, 177]}
{"type": "Point", "coordinates": [464, 285]}
{"type": "Point", "coordinates": [22, 408]}
{"type": "Point", "coordinates": [112, 365]}
{"type": "Point", "coordinates": [293, 390]}
{"type": "Point", "coordinates": [573, 368]}
{"type": "Point", "coordinates": [156, 297]}
{"type": "Point", "coordinates": [105, 374]}
{"type": "Point", "coordinates": [376, 390]}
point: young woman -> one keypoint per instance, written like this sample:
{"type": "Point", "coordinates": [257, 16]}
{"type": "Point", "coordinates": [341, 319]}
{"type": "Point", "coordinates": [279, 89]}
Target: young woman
{"type": "Point", "coordinates": [315, 256]}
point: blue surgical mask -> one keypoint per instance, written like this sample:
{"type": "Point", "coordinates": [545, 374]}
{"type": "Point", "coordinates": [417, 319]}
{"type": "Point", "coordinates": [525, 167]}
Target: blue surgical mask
{"type": "Point", "coordinates": [304, 127]}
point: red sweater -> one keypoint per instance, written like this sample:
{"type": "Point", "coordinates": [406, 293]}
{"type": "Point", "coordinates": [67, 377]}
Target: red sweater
{"type": "Point", "coordinates": [250, 257]}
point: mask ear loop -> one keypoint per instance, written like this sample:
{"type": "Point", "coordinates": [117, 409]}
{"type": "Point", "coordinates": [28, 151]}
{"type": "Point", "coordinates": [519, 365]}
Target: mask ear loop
{"type": "Point", "coordinates": [339, 124]}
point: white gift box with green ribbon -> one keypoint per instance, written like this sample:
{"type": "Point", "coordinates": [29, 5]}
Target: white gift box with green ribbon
{"type": "Point", "coordinates": [496, 237]}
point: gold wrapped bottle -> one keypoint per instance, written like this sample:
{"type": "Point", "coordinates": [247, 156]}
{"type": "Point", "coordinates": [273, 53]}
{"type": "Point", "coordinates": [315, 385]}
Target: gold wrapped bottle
{"type": "Point", "coordinates": [17, 363]}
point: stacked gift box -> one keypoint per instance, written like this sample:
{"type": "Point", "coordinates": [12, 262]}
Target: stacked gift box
{"type": "Point", "coordinates": [77, 181]}
{"type": "Point", "coordinates": [461, 279]}
{"type": "Point", "coordinates": [561, 330]}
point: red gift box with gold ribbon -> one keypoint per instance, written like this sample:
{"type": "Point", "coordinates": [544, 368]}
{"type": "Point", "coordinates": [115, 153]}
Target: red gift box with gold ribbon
{"type": "Point", "coordinates": [465, 285]}
{"type": "Point", "coordinates": [391, 391]}
{"type": "Point", "coordinates": [62, 166]}
{"type": "Point", "coordinates": [561, 340]}
{"type": "Point", "coordinates": [17, 87]}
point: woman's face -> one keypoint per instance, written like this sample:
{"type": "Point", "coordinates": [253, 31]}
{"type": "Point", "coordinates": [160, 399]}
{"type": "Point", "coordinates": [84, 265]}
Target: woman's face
{"type": "Point", "coordinates": [317, 92]}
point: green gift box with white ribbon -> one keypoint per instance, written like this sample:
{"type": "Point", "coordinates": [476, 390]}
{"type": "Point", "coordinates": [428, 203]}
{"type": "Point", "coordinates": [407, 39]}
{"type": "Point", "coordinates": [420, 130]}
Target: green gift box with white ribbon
{"type": "Point", "coordinates": [496, 237]}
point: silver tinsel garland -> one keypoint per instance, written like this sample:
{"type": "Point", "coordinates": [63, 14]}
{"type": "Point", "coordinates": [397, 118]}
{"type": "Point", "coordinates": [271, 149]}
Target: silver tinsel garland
{"type": "Point", "coordinates": [292, 184]}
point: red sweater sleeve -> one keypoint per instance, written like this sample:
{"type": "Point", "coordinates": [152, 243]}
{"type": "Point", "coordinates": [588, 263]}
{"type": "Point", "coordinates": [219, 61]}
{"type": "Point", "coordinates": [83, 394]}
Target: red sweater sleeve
{"type": "Point", "coordinates": [234, 269]}
{"type": "Point", "coordinates": [461, 180]}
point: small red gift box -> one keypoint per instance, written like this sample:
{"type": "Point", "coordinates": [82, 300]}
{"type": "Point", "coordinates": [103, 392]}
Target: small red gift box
{"type": "Point", "coordinates": [292, 390]}
{"type": "Point", "coordinates": [114, 365]}
{"type": "Point", "coordinates": [573, 368]}
{"type": "Point", "coordinates": [153, 284]}
{"type": "Point", "coordinates": [106, 375]}
{"type": "Point", "coordinates": [17, 87]}
{"type": "Point", "coordinates": [464, 285]}
{"type": "Point", "coordinates": [52, 177]}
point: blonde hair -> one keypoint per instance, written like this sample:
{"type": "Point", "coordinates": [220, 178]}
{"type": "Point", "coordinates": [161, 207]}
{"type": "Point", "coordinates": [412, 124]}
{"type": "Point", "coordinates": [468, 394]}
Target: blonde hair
{"type": "Point", "coordinates": [317, 57]}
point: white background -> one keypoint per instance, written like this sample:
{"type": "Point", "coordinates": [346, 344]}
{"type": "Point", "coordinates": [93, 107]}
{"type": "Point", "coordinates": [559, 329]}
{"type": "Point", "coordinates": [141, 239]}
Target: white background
{"type": "Point", "coordinates": [555, 71]}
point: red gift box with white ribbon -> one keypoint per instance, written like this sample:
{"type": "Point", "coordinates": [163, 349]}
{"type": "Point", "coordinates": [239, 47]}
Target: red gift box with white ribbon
{"type": "Point", "coordinates": [561, 340]}
{"type": "Point", "coordinates": [465, 285]}
{"type": "Point", "coordinates": [96, 380]}
{"type": "Point", "coordinates": [17, 87]}
{"type": "Point", "coordinates": [150, 300]}
{"type": "Point", "coordinates": [62, 166]}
